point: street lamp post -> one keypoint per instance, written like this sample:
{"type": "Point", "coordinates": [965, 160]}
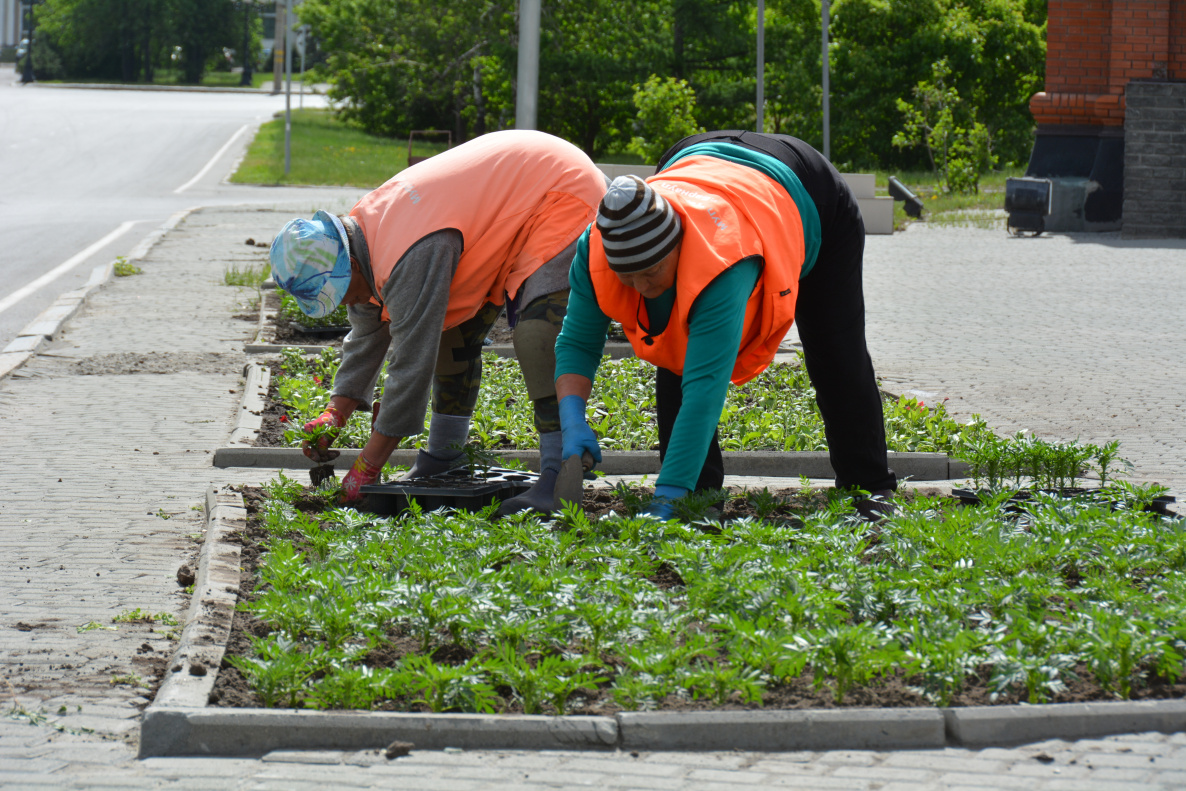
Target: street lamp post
{"type": "Point", "coordinates": [30, 24]}
{"type": "Point", "coordinates": [245, 80]}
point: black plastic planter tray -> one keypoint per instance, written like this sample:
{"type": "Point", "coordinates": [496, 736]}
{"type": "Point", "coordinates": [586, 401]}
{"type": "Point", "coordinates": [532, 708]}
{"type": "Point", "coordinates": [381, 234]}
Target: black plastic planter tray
{"type": "Point", "coordinates": [1160, 505]}
{"type": "Point", "coordinates": [324, 332]}
{"type": "Point", "coordinates": [453, 489]}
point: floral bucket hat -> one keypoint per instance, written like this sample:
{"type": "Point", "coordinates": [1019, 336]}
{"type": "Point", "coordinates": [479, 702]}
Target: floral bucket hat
{"type": "Point", "coordinates": [311, 261]}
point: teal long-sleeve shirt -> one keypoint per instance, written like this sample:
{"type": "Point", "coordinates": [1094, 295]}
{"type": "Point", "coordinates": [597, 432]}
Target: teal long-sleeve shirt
{"type": "Point", "coordinates": [716, 323]}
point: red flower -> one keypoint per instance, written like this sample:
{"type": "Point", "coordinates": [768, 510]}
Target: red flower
{"type": "Point", "coordinates": [317, 380]}
{"type": "Point", "coordinates": [284, 418]}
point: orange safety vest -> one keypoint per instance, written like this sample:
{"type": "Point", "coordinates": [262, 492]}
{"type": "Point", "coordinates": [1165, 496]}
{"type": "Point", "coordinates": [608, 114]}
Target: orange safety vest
{"type": "Point", "coordinates": [729, 213]}
{"type": "Point", "coordinates": [518, 197]}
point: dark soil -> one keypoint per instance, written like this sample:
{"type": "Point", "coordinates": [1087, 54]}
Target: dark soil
{"type": "Point", "coordinates": [279, 330]}
{"type": "Point", "coordinates": [232, 690]}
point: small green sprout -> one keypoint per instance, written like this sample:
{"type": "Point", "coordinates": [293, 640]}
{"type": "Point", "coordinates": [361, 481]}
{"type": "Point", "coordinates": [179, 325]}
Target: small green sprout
{"type": "Point", "coordinates": [124, 268]}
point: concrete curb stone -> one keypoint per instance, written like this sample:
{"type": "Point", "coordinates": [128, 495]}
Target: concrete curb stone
{"type": "Point", "coordinates": [1002, 726]}
{"type": "Point", "coordinates": [783, 731]}
{"type": "Point", "coordinates": [226, 732]}
{"type": "Point", "coordinates": [194, 665]}
{"type": "Point", "coordinates": [250, 417]}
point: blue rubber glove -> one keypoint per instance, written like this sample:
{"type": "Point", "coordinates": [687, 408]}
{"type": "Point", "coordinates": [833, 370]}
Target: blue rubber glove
{"type": "Point", "coordinates": [662, 506]}
{"type": "Point", "coordinates": [578, 438]}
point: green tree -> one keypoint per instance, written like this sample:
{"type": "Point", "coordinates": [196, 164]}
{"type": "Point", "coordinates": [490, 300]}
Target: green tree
{"type": "Point", "coordinates": [666, 114]}
{"type": "Point", "coordinates": [882, 48]}
{"type": "Point", "coordinates": [129, 40]}
{"type": "Point", "coordinates": [957, 144]}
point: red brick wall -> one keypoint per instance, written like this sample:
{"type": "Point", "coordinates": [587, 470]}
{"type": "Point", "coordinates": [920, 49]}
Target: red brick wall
{"type": "Point", "coordinates": [1095, 47]}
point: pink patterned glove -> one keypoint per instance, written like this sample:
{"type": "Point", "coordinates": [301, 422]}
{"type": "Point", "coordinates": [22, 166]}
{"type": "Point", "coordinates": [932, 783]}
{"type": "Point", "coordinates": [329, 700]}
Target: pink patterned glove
{"type": "Point", "coordinates": [326, 426]}
{"type": "Point", "coordinates": [362, 473]}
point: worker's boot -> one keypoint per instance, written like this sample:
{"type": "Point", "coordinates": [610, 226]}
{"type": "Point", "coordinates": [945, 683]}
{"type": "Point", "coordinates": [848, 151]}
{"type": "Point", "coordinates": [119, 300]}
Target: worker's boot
{"type": "Point", "coordinates": [446, 438]}
{"type": "Point", "coordinates": [426, 464]}
{"type": "Point", "coordinates": [542, 496]}
{"type": "Point", "coordinates": [877, 507]}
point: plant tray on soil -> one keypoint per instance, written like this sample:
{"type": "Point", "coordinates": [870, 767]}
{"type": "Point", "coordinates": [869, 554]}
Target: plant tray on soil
{"type": "Point", "coordinates": [452, 489]}
{"type": "Point", "coordinates": [1159, 505]}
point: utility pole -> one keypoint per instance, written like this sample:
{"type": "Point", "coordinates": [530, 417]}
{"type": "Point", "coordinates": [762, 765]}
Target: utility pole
{"type": "Point", "coordinates": [527, 84]}
{"type": "Point", "coordinates": [827, 119]}
{"type": "Point", "coordinates": [245, 80]}
{"type": "Point", "coordinates": [30, 24]}
{"type": "Point", "coordinates": [760, 101]}
{"type": "Point", "coordinates": [288, 88]}
{"type": "Point", "coordinates": [279, 42]}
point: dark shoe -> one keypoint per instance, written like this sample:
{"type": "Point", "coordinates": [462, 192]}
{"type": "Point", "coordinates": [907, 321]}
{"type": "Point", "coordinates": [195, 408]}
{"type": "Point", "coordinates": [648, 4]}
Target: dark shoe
{"type": "Point", "coordinates": [540, 498]}
{"type": "Point", "coordinates": [877, 507]}
{"type": "Point", "coordinates": [426, 464]}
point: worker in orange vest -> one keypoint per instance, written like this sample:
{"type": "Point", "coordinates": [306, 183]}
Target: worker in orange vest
{"type": "Point", "coordinates": [705, 265]}
{"type": "Point", "coordinates": [425, 264]}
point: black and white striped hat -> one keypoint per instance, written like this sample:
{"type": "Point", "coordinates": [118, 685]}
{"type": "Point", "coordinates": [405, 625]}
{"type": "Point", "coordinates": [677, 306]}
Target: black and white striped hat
{"type": "Point", "coordinates": [638, 228]}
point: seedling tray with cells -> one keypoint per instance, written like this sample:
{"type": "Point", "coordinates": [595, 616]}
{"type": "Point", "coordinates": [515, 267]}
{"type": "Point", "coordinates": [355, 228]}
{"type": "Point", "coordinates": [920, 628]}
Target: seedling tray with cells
{"type": "Point", "coordinates": [456, 489]}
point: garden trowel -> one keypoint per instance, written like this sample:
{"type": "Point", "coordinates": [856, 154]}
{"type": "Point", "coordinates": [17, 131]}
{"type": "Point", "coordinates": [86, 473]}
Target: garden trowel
{"type": "Point", "coordinates": [570, 482]}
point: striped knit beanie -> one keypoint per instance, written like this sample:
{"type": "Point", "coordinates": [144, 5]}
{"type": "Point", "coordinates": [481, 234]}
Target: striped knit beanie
{"type": "Point", "coordinates": [638, 228]}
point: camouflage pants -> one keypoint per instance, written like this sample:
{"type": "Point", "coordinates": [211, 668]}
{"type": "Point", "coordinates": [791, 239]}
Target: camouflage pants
{"type": "Point", "coordinates": [459, 361]}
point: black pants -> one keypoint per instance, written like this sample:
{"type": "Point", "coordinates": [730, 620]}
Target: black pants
{"type": "Point", "coordinates": [830, 314]}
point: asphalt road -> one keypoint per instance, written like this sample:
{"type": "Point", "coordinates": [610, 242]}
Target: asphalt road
{"type": "Point", "coordinates": [87, 174]}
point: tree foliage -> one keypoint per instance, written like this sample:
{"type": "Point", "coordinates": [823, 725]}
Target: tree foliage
{"type": "Point", "coordinates": [129, 40]}
{"type": "Point", "coordinates": [883, 48]}
{"type": "Point", "coordinates": [666, 112]}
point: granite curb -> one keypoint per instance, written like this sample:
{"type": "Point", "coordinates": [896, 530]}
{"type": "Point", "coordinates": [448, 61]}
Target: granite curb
{"type": "Point", "coordinates": [50, 322]}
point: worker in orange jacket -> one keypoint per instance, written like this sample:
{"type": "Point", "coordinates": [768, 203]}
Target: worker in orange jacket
{"type": "Point", "coordinates": [425, 264]}
{"type": "Point", "coordinates": [705, 265]}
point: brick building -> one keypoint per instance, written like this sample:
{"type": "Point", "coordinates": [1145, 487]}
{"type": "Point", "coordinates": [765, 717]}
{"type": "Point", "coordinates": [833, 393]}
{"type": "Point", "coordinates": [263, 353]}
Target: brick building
{"type": "Point", "coordinates": [1112, 120]}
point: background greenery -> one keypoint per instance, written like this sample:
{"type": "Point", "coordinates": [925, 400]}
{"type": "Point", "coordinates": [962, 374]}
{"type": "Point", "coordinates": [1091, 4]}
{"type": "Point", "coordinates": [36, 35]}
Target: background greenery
{"type": "Point", "coordinates": [399, 65]}
{"type": "Point", "coordinates": [622, 79]}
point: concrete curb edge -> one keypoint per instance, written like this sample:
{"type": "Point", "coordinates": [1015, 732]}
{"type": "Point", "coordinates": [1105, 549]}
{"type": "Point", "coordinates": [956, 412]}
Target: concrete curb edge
{"type": "Point", "coordinates": [192, 669]}
{"type": "Point", "coordinates": [255, 390]}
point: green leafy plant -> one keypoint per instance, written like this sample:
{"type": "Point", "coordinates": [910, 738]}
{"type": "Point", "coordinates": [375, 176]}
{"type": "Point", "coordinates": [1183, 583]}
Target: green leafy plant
{"type": "Point", "coordinates": [666, 112]}
{"type": "Point", "coordinates": [958, 145]}
{"type": "Point", "coordinates": [252, 275]}
{"type": "Point", "coordinates": [290, 309]}
{"type": "Point", "coordinates": [141, 616]}
{"type": "Point", "coordinates": [124, 268]}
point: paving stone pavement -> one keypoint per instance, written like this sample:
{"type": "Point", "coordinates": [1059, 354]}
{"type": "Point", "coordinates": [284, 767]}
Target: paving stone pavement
{"type": "Point", "coordinates": [117, 419]}
{"type": "Point", "coordinates": [1072, 336]}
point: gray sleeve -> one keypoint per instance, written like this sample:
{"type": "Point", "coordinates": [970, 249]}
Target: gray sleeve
{"type": "Point", "coordinates": [416, 296]}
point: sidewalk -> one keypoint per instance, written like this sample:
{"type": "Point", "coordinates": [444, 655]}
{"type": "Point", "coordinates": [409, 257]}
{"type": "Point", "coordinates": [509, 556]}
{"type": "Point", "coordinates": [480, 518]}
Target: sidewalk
{"type": "Point", "coordinates": [118, 417]}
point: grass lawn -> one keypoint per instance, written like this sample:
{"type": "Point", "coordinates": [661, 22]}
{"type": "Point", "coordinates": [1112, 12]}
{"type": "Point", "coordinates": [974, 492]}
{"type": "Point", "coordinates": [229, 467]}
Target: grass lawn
{"type": "Point", "coordinates": [325, 151]}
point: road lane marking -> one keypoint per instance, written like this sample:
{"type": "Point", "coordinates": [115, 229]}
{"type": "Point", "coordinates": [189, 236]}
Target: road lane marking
{"type": "Point", "coordinates": [213, 159]}
{"type": "Point", "coordinates": [65, 266]}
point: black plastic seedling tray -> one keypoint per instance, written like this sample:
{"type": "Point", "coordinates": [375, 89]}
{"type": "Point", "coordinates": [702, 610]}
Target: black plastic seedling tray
{"type": "Point", "coordinates": [455, 489]}
{"type": "Point", "coordinates": [1160, 505]}
{"type": "Point", "coordinates": [324, 332]}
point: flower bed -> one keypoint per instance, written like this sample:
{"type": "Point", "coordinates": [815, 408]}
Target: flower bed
{"type": "Point", "coordinates": [790, 602]}
{"type": "Point", "coordinates": [775, 411]}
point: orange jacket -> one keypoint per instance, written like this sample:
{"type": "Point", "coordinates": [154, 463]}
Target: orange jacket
{"type": "Point", "coordinates": [729, 213]}
{"type": "Point", "coordinates": [518, 197]}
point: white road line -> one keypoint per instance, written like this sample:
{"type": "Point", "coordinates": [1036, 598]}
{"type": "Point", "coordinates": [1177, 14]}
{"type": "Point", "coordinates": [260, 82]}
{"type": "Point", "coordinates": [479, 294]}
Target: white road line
{"type": "Point", "coordinates": [213, 159]}
{"type": "Point", "coordinates": [64, 267]}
